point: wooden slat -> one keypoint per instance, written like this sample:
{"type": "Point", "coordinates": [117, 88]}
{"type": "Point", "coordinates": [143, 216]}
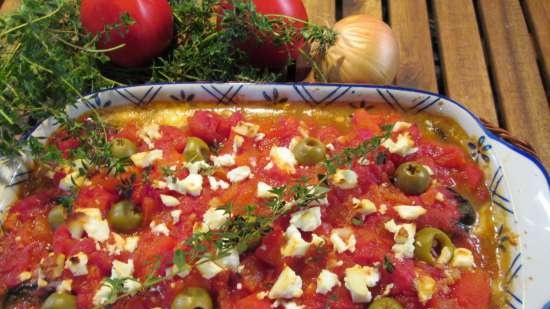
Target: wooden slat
{"type": "Point", "coordinates": [369, 7]}
{"type": "Point", "coordinates": [409, 21]}
{"type": "Point", "coordinates": [463, 62]}
{"type": "Point", "coordinates": [7, 6]}
{"type": "Point", "coordinates": [322, 12]}
{"type": "Point", "coordinates": [538, 15]}
{"type": "Point", "coordinates": [518, 84]}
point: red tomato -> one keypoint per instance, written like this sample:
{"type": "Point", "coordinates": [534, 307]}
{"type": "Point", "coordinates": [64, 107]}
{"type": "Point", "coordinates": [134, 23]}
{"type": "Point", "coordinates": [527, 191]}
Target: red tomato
{"type": "Point", "coordinates": [211, 127]}
{"type": "Point", "coordinates": [473, 290]}
{"type": "Point", "coordinates": [145, 39]}
{"type": "Point", "coordinates": [252, 301]}
{"type": "Point", "coordinates": [266, 54]}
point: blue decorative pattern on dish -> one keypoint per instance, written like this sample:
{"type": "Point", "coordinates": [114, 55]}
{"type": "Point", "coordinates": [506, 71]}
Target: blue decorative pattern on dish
{"type": "Point", "coordinates": [94, 102]}
{"type": "Point", "coordinates": [479, 149]}
{"type": "Point", "coordinates": [182, 97]}
{"type": "Point", "coordinates": [308, 94]}
{"type": "Point", "coordinates": [142, 100]}
{"type": "Point", "coordinates": [223, 96]}
{"type": "Point", "coordinates": [274, 97]}
{"type": "Point", "coordinates": [497, 198]}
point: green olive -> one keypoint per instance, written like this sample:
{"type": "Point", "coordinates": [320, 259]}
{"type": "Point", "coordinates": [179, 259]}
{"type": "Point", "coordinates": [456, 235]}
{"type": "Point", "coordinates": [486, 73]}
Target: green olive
{"type": "Point", "coordinates": [57, 216]}
{"type": "Point", "coordinates": [430, 241]}
{"type": "Point", "coordinates": [196, 150]}
{"type": "Point", "coordinates": [385, 303]}
{"type": "Point", "coordinates": [309, 151]}
{"type": "Point", "coordinates": [60, 301]}
{"type": "Point", "coordinates": [122, 148]}
{"type": "Point", "coordinates": [124, 217]}
{"type": "Point", "coordinates": [412, 178]}
{"type": "Point", "coordinates": [192, 298]}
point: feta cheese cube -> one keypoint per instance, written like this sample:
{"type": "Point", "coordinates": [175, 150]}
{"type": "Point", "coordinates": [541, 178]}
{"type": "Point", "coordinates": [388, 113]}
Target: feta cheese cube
{"type": "Point", "coordinates": [307, 220]}
{"type": "Point", "coordinates": [445, 256]}
{"type": "Point", "coordinates": [169, 200]}
{"type": "Point", "coordinates": [175, 214]}
{"type": "Point", "coordinates": [463, 257]}
{"type": "Point", "coordinates": [65, 286]}
{"type": "Point", "coordinates": [102, 296]}
{"type": "Point", "coordinates": [145, 159]}
{"type": "Point", "coordinates": [439, 197]}
{"type": "Point", "coordinates": [230, 261]}
{"type": "Point", "coordinates": [196, 166]}
{"type": "Point", "coordinates": [238, 141]}
{"type": "Point", "coordinates": [343, 240]}
{"type": "Point", "coordinates": [326, 281]}
{"type": "Point", "coordinates": [72, 180]}
{"type": "Point", "coordinates": [192, 184]}
{"type": "Point", "coordinates": [425, 287]}
{"type": "Point", "coordinates": [131, 286]}
{"type": "Point", "coordinates": [263, 190]}
{"type": "Point", "coordinates": [358, 280]}
{"type": "Point", "coordinates": [24, 276]}
{"type": "Point", "coordinates": [400, 126]}
{"type": "Point", "coordinates": [149, 133]}
{"type": "Point", "coordinates": [288, 285]}
{"type": "Point", "coordinates": [403, 146]}
{"type": "Point", "coordinates": [208, 269]}
{"type": "Point", "coordinates": [246, 129]}
{"type": "Point", "coordinates": [159, 229]}
{"type": "Point", "coordinates": [403, 237]}
{"type": "Point", "coordinates": [344, 179]}
{"type": "Point", "coordinates": [239, 174]}
{"type": "Point", "coordinates": [226, 160]}
{"type": "Point", "coordinates": [92, 222]}
{"type": "Point", "coordinates": [77, 264]}
{"type": "Point", "coordinates": [131, 243]}
{"type": "Point", "coordinates": [214, 218]}
{"type": "Point", "coordinates": [295, 245]}
{"type": "Point", "coordinates": [409, 212]}
{"type": "Point", "coordinates": [284, 159]}
{"type": "Point", "coordinates": [364, 206]}
{"type": "Point", "coordinates": [121, 270]}
{"type": "Point", "coordinates": [216, 184]}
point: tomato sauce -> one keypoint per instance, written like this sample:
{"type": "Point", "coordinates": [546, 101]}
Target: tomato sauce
{"type": "Point", "coordinates": [30, 246]}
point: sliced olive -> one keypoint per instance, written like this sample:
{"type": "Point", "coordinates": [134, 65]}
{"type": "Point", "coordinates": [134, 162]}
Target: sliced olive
{"type": "Point", "coordinates": [467, 212]}
{"type": "Point", "coordinates": [412, 178]}
{"type": "Point", "coordinates": [57, 216]}
{"type": "Point", "coordinates": [385, 303]}
{"type": "Point", "coordinates": [193, 298]}
{"type": "Point", "coordinates": [430, 243]}
{"type": "Point", "coordinates": [196, 150]}
{"type": "Point", "coordinates": [122, 148]}
{"type": "Point", "coordinates": [60, 301]}
{"type": "Point", "coordinates": [124, 217]}
{"type": "Point", "coordinates": [309, 151]}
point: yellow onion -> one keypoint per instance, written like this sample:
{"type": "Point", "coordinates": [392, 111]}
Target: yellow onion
{"type": "Point", "coordinates": [365, 51]}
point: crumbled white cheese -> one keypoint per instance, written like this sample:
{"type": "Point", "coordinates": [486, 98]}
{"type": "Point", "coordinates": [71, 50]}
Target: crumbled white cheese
{"type": "Point", "coordinates": [192, 184]}
{"type": "Point", "coordinates": [259, 137]}
{"type": "Point", "coordinates": [295, 245]}
{"type": "Point", "coordinates": [425, 287]}
{"type": "Point", "coordinates": [246, 129]}
{"type": "Point", "coordinates": [231, 261]}
{"type": "Point", "coordinates": [403, 237]}
{"type": "Point", "coordinates": [149, 133]}
{"type": "Point", "coordinates": [288, 285]}
{"type": "Point", "coordinates": [208, 269]}
{"type": "Point", "coordinates": [261, 295]}
{"type": "Point", "coordinates": [216, 184]}
{"type": "Point", "coordinates": [344, 179]}
{"type": "Point", "coordinates": [343, 240]}
{"type": "Point", "coordinates": [463, 257]}
{"type": "Point", "coordinates": [145, 159]}
{"type": "Point", "coordinates": [169, 200]}
{"type": "Point", "coordinates": [131, 286]}
{"type": "Point", "coordinates": [409, 212]}
{"type": "Point", "coordinates": [326, 281]}
{"type": "Point", "coordinates": [364, 206]}
{"type": "Point", "coordinates": [72, 180]}
{"type": "Point", "coordinates": [121, 270]}
{"type": "Point", "coordinates": [445, 256]}
{"type": "Point", "coordinates": [175, 214]}
{"type": "Point", "coordinates": [307, 220]}
{"type": "Point", "coordinates": [182, 271]}
{"type": "Point", "coordinates": [239, 174]}
{"type": "Point", "coordinates": [214, 218]}
{"type": "Point", "coordinates": [196, 167]}
{"type": "Point", "coordinates": [317, 240]}
{"type": "Point", "coordinates": [65, 286]}
{"type": "Point", "coordinates": [363, 161]}
{"type": "Point", "coordinates": [439, 197]}
{"type": "Point", "coordinates": [131, 243]}
{"type": "Point", "coordinates": [400, 126]}
{"type": "Point", "coordinates": [92, 222]}
{"type": "Point", "coordinates": [158, 229]}
{"type": "Point", "coordinates": [264, 190]}
{"type": "Point", "coordinates": [102, 295]}
{"type": "Point", "coordinates": [284, 159]}
{"type": "Point", "coordinates": [383, 209]}
{"type": "Point", "coordinates": [358, 280]}
{"type": "Point", "coordinates": [226, 160]}
{"type": "Point", "coordinates": [238, 141]}
{"type": "Point", "coordinates": [330, 147]}
{"type": "Point", "coordinates": [77, 264]}
{"type": "Point", "coordinates": [118, 246]}
{"type": "Point", "coordinates": [24, 276]}
{"type": "Point", "coordinates": [403, 146]}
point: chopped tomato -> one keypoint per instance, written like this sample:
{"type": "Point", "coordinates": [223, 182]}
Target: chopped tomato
{"type": "Point", "coordinates": [211, 127]}
{"type": "Point", "coordinates": [253, 302]}
{"type": "Point", "coordinates": [473, 290]}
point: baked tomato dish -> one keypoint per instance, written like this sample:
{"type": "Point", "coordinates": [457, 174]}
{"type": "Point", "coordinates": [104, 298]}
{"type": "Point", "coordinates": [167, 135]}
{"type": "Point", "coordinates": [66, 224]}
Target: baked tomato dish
{"type": "Point", "coordinates": [252, 207]}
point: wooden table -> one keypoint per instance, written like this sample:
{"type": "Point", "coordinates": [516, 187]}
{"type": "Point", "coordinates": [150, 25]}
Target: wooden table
{"type": "Point", "coordinates": [491, 55]}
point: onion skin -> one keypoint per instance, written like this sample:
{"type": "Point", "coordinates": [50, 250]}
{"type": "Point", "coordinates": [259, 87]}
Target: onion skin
{"type": "Point", "coordinates": [365, 52]}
